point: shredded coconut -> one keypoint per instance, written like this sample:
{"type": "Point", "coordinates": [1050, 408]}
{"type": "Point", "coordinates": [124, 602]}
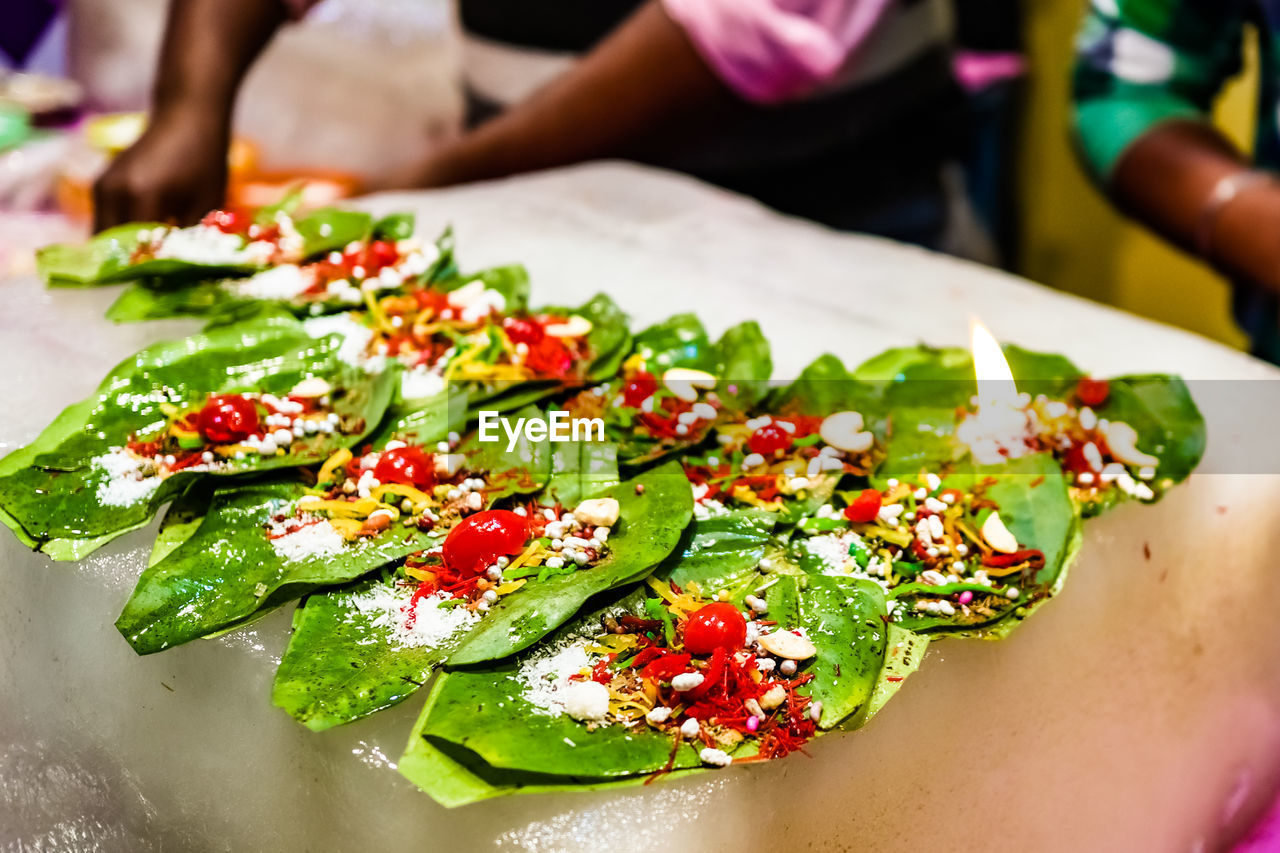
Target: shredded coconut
{"type": "Point", "coordinates": [125, 483]}
{"type": "Point", "coordinates": [709, 508]}
{"type": "Point", "coordinates": [421, 381]}
{"type": "Point", "coordinates": [317, 539]}
{"type": "Point", "coordinates": [431, 625]}
{"type": "Point", "coordinates": [545, 675]}
{"type": "Point", "coordinates": [832, 550]}
{"type": "Point", "coordinates": [201, 244]}
{"type": "Point", "coordinates": [355, 337]}
{"type": "Point", "coordinates": [283, 282]}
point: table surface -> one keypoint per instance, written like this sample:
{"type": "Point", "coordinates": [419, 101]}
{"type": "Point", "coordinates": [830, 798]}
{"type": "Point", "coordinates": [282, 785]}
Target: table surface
{"type": "Point", "coordinates": [1139, 711]}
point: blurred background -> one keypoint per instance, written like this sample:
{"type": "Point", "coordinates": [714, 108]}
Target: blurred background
{"type": "Point", "coordinates": [390, 70]}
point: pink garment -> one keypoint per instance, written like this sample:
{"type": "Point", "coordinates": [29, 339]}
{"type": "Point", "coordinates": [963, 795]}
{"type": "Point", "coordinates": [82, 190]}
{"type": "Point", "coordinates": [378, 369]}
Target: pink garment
{"type": "Point", "coordinates": [1265, 837]}
{"type": "Point", "coordinates": [766, 50]}
{"type": "Point", "coordinates": [978, 70]}
{"type": "Point", "coordinates": [776, 50]}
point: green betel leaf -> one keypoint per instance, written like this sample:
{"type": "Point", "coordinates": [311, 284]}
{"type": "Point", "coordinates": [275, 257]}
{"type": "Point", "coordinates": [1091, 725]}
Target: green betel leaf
{"type": "Point", "coordinates": [60, 490]}
{"type": "Point", "coordinates": [457, 777]}
{"type": "Point", "coordinates": [225, 300]}
{"type": "Point", "coordinates": [344, 663]}
{"type": "Point", "coordinates": [486, 712]}
{"type": "Point", "coordinates": [1169, 427]}
{"type": "Point", "coordinates": [649, 527]}
{"type": "Point", "coordinates": [98, 261]}
{"type": "Point", "coordinates": [740, 361]}
{"type": "Point", "coordinates": [331, 229]}
{"type": "Point", "coordinates": [846, 620]}
{"type": "Point", "coordinates": [607, 343]}
{"type": "Point", "coordinates": [401, 226]}
{"type": "Point", "coordinates": [945, 378]}
{"type": "Point", "coordinates": [511, 280]}
{"type": "Point", "coordinates": [580, 469]}
{"type": "Point", "coordinates": [788, 480]}
{"type": "Point", "coordinates": [107, 258]}
{"type": "Point", "coordinates": [824, 387]}
{"type": "Point", "coordinates": [487, 726]}
{"type": "Point", "coordinates": [1034, 504]}
{"type": "Point", "coordinates": [722, 552]}
{"type": "Point", "coordinates": [904, 655]}
{"type": "Point", "coordinates": [744, 364]}
{"type": "Point", "coordinates": [229, 569]}
{"type": "Point", "coordinates": [182, 519]}
{"type": "Point", "coordinates": [679, 341]}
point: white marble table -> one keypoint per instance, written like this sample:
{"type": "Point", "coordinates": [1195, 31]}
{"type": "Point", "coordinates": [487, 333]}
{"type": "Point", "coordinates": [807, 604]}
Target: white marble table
{"type": "Point", "coordinates": [1140, 711]}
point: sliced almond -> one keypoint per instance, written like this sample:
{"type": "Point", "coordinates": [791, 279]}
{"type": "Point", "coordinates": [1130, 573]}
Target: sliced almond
{"type": "Point", "coordinates": [1122, 441]}
{"type": "Point", "coordinates": [465, 295]}
{"type": "Point", "coordinates": [684, 382]}
{"type": "Point", "coordinates": [574, 327]}
{"type": "Point", "coordinates": [998, 536]}
{"type": "Point", "coordinates": [598, 512]}
{"type": "Point", "coordinates": [311, 387]}
{"type": "Point", "coordinates": [843, 431]}
{"type": "Point", "coordinates": [785, 644]}
{"type": "Point", "coordinates": [775, 696]}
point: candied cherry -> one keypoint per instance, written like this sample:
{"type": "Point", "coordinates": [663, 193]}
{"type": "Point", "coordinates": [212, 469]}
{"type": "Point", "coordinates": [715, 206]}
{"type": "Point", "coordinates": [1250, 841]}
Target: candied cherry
{"type": "Point", "coordinates": [639, 388]}
{"type": "Point", "coordinates": [476, 541]}
{"type": "Point", "coordinates": [769, 439]}
{"type": "Point", "coordinates": [865, 507]}
{"type": "Point", "coordinates": [524, 330]}
{"type": "Point", "coordinates": [718, 625]}
{"type": "Point", "coordinates": [228, 221]}
{"type": "Point", "coordinates": [409, 466]}
{"type": "Point", "coordinates": [228, 418]}
{"type": "Point", "coordinates": [1093, 392]}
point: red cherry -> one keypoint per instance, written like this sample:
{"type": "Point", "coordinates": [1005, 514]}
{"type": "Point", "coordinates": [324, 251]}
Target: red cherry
{"type": "Point", "coordinates": [865, 507]}
{"type": "Point", "coordinates": [476, 541]}
{"type": "Point", "coordinates": [229, 221]}
{"type": "Point", "coordinates": [638, 389]}
{"type": "Point", "coordinates": [409, 466]}
{"type": "Point", "coordinates": [524, 330]}
{"type": "Point", "coordinates": [718, 625]}
{"type": "Point", "coordinates": [549, 357]}
{"type": "Point", "coordinates": [1093, 392]}
{"type": "Point", "coordinates": [228, 418]}
{"type": "Point", "coordinates": [769, 439]}
{"type": "Point", "coordinates": [381, 254]}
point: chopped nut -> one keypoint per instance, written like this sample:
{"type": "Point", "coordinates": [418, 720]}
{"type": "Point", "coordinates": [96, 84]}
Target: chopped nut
{"type": "Point", "coordinates": [775, 696]}
{"type": "Point", "coordinates": [785, 644]}
{"type": "Point", "coordinates": [598, 512]}
{"type": "Point", "coordinates": [843, 431]}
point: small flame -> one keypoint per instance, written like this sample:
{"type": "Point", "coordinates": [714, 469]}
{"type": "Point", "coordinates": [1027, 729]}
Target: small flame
{"type": "Point", "coordinates": [996, 388]}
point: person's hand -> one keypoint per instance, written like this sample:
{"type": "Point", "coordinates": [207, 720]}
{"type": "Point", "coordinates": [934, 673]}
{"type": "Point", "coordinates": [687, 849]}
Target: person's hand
{"type": "Point", "coordinates": [176, 172]}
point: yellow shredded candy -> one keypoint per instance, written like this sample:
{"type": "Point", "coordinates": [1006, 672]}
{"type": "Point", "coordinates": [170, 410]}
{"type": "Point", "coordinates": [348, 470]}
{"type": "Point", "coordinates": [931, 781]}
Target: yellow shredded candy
{"type": "Point", "coordinates": [333, 463]}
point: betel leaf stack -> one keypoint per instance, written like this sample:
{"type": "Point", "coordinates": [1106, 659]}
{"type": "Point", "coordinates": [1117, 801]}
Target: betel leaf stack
{"type": "Point", "coordinates": [724, 569]}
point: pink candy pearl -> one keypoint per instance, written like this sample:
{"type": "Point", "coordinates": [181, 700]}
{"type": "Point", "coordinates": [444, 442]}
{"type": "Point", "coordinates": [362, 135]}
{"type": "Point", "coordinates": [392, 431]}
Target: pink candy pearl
{"type": "Point", "coordinates": [966, 597]}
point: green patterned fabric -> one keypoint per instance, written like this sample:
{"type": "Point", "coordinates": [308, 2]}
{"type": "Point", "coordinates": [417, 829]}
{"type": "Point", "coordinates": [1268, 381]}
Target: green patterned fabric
{"type": "Point", "coordinates": [1143, 62]}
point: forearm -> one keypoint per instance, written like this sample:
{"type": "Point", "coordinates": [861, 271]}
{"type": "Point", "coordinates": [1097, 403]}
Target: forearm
{"type": "Point", "coordinates": [640, 80]}
{"type": "Point", "coordinates": [209, 46]}
{"type": "Point", "coordinates": [1168, 179]}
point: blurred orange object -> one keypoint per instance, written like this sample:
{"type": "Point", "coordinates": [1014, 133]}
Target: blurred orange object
{"type": "Point", "coordinates": [319, 188]}
{"type": "Point", "coordinates": [106, 136]}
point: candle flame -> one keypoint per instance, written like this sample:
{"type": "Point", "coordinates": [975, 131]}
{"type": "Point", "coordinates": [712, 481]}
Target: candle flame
{"type": "Point", "coordinates": [996, 387]}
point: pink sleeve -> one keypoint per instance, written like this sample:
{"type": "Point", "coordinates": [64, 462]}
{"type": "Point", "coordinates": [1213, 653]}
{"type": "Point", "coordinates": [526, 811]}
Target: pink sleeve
{"type": "Point", "coordinates": [775, 50]}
